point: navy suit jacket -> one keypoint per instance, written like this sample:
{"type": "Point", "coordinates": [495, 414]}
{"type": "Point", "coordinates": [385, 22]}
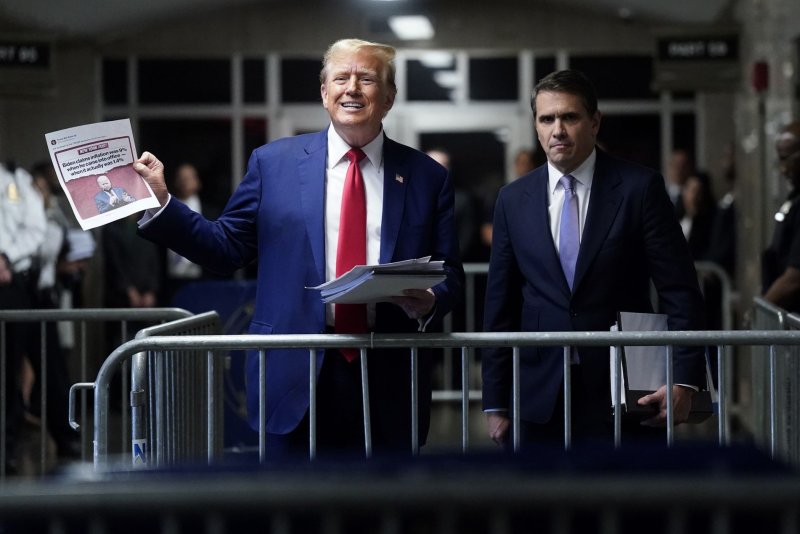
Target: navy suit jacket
{"type": "Point", "coordinates": [630, 236]}
{"type": "Point", "coordinates": [277, 216]}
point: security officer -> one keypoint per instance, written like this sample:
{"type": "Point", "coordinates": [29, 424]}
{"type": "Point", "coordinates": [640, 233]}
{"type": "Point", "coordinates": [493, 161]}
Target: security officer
{"type": "Point", "coordinates": [22, 231]}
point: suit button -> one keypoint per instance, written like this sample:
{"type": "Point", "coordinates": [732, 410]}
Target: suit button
{"type": "Point", "coordinates": [573, 313]}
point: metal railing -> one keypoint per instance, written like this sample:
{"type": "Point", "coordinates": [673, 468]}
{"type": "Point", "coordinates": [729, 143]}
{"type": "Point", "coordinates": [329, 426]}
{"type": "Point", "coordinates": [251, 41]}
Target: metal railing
{"type": "Point", "coordinates": [80, 317]}
{"type": "Point", "coordinates": [413, 343]}
{"type": "Point", "coordinates": [777, 369]}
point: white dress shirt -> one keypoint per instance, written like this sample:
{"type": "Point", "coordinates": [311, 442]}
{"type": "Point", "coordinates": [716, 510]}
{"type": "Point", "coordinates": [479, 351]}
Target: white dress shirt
{"type": "Point", "coordinates": [335, 173]}
{"type": "Point", "coordinates": [583, 175]}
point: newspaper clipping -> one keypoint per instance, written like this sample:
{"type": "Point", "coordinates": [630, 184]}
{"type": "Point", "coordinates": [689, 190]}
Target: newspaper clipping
{"type": "Point", "coordinates": [94, 164]}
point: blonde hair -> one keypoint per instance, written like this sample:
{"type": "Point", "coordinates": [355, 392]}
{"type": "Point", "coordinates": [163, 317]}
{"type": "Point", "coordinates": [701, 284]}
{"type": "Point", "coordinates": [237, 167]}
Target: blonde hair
{"type": "Point", "coordinates": [384, 53]}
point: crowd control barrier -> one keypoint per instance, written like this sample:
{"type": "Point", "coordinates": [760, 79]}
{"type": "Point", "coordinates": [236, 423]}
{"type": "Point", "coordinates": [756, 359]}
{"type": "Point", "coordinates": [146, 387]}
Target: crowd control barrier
{"type": "Point", "coordinates": [168, 420]}
{"type": "Point", "coordinates": [313, 342]}
{"type": "Point", "coordinates": [777, 370]}
{"type": "Point", "coordinates": [79, 318]}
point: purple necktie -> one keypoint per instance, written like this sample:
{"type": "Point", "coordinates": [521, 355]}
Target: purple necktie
{"type": "Point", "coordinates": [570, 231]}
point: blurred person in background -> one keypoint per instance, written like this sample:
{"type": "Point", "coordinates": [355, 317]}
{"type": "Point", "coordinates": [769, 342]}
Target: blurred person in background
{"type": "Point", "coordinates": [699, 211]}
{"type": "Point", "coordinates": [22, 232]}
{"type": "Point", "coordinates": [780, 268]}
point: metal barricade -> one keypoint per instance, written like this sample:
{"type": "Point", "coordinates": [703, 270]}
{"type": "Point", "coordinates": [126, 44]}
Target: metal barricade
{"type": "Point", "coordinates": [80, 317]}
{"type": "Point", "coordinates": [566, 340]}
{"type": "Point", "coordinates": [777, 370]}
{"type": "Point", "coordinates": [168, 421]}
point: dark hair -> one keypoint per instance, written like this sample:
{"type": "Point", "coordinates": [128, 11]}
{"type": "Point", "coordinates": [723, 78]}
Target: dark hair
{"type": "Point", "coordinates": [567, 81]}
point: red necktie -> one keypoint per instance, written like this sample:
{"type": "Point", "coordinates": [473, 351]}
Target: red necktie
{"type": "Point", "coordinates": [352, 248]}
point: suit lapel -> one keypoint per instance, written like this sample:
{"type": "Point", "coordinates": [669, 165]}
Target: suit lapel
{"type": "Point", "coordinates": [396, 178]}
{"type": "Point", "coordinates": [537, 220]}
{"type": "Point", "coordinates": [311, 170]}
{"type": "Point", "coordinates": [603, 208]}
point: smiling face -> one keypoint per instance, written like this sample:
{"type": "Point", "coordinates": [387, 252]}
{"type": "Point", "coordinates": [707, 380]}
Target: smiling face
{"type": "Point", "coordinates": [565, 129]}
{"type": "Point", "coordinates": [356, 95]}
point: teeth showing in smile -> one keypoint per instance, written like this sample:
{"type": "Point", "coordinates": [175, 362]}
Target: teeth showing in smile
{"type": "Point", "coordinates": [352, 105]}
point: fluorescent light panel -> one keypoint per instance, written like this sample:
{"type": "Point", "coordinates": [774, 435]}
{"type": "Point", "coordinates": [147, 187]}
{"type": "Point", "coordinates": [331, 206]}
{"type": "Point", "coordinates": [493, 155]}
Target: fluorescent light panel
{"type": "Point", "coordinates": [411, 27]}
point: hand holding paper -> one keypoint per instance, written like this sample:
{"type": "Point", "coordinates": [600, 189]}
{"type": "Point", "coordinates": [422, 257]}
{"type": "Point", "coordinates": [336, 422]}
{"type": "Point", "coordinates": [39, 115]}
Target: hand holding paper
{"type": "Point", "coordinates": [681, 404]}
{"type": "Point", "coordinates": [385, 282]}
{"type": "Point", "coordinates": [152, 170]}
{"type": "Point", "coordinates": [417, 303]}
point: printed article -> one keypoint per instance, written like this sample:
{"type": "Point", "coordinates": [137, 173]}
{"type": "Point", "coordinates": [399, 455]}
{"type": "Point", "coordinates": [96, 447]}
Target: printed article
{"type": "Point", "coordinates": [94, 164]}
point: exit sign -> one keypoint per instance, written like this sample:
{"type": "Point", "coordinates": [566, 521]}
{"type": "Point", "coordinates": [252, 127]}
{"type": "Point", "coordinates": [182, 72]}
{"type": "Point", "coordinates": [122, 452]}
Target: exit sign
{"type": "Point", "coordinates": [716, 48]}
{"type": "Point", "coordinates": [24, 54]}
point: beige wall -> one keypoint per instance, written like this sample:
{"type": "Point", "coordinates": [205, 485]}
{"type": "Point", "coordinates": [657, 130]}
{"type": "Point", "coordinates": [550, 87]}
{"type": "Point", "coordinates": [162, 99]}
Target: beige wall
{"type": "Point", "coordinates": [769, 33]}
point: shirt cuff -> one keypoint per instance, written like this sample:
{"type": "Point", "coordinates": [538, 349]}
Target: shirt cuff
{"type": "Point", "coordinates": [152, 213]}
{"type": "Point", "coordinates": [425, 321]}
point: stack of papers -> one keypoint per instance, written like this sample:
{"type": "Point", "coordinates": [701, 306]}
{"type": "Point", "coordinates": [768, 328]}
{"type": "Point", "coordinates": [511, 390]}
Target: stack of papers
{"type": "Point", "coordinates": [376, 283]}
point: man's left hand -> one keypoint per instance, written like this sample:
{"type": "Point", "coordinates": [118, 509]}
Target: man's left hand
{"type": "Point", "coordinates": [681, 405]}
{"type": "Point", "coordinates": [417, 303]}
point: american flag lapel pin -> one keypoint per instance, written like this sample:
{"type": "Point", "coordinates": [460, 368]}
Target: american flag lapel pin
{"type": "Point", "coordinates": [398, 178]}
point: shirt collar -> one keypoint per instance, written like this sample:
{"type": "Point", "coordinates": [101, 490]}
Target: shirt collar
{"type": "Point", "coordinates": [337, 148]}
{"type": "Point", "coordinates": [583, 174]}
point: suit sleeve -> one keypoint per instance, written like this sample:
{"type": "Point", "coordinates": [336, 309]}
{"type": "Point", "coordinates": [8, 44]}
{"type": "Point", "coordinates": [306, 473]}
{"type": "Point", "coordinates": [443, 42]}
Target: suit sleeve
{"type": "Point", "coordinates": [449, 293]}
{"type": "Point", "coordinates": [503, 309]}
{"type": "Point", "coordinates": [221, 246]}
{"type": "Point", "coordinates": [675, 278]}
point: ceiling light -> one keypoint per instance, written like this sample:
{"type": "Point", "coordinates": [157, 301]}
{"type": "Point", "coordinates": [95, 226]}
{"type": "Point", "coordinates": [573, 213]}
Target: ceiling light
{"type": "Point", "coordinates": [411, 27]}
{"type": "Point", "coordinates": [436, 59]}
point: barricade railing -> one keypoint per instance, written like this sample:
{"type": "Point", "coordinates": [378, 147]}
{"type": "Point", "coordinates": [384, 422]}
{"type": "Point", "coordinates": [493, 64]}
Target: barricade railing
{"type": "Point", "coordinates": [473, 271]}
{"type": "Point", "coordinates": [777, 370]}
{"type": "Point", "coordinates": [315, 342]}
{"type": "Point", "coordinates": [79, 317]}
{"type": "Point", "coordinates": [167, 421]}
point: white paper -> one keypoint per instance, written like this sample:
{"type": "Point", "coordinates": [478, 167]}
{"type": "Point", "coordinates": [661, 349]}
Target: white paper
{"type": "Point", "coordinates": [81, 155]}
{"type": "Point", "coordinates": [644, 366]}
{"type": "Point", "coordinates": [376, 283]}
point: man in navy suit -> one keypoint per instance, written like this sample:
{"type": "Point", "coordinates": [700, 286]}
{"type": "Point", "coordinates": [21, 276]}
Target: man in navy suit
{"type": "Point", "coordinates": [626, 235]}
{"type": "Point", "coordinates": [287, 214]}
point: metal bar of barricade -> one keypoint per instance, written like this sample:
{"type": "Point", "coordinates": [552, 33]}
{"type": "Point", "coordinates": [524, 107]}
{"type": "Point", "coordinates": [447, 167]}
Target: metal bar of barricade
{"type": "Point", "coordinates": [578, 339]}
{"type": "Point", "coordinates": [515, 399]}
{"type": "Point", "coordinates": [312, 404]}
{"type": "Point", "coordinates": [81, 316]}
{"type": "Point", "coordinates": [43, 395]}
{"type": "Point", "coordinates": [262, 405]}
{"type": "Point", "coordinates": [3, 397]}
{"type": "Point", "coordinates": [669, 396]}
{"type": "Point", "coordinates": [464, 399]}
{"type": "Point", "coordinates": [773, 410]}
{"type": "Point", "coordinates": [722, 397]}
{"type": "Point", "coordinates": [567, 363]}
{"type": "Point", "coordinates": [365, 403]}
{"type": "Point", "coordinates": [414, 401]}
{"type": "Point", "coordinates": [618, 398]}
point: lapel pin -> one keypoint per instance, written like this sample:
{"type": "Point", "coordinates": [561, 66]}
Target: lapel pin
{"type": "Point", "coordinates": [398, 178]}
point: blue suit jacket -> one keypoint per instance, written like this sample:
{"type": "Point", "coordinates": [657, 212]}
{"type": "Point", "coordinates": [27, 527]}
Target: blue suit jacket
{"type": "Point", "coordinates": [277, 216]}
{"type": "Point", "coordinates": [630, 237]}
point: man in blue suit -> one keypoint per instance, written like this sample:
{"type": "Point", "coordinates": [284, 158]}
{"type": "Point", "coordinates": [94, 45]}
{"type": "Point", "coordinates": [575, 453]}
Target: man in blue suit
{"type": "Point", "coordinates": [287, 214]}
{"type": "Point", "coordinates": [109, 198]}
{"type": "Point", "coordinates": [575, 273]}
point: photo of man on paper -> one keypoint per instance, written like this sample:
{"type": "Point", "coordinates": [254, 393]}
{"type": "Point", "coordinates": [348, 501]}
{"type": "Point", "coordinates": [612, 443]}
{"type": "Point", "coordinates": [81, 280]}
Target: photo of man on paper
{"type": "Point", "coordinates": [109, 197]}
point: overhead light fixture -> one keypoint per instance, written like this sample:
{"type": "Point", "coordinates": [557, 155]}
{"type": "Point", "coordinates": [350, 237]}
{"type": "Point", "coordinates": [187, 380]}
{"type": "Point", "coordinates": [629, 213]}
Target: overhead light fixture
{"type": "Point", "coordinates": [435, 59]}
{"type": "Point", "coordinates": [411, 27]}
